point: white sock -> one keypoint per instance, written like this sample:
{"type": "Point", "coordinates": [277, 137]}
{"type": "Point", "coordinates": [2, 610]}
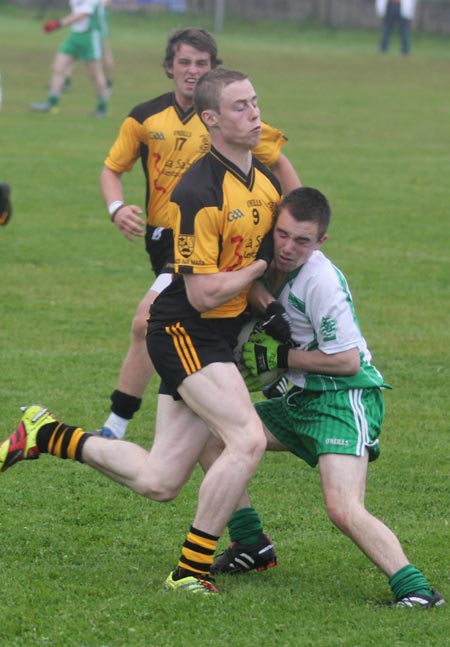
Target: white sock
{"type": "Point", "coordinates": [117, 425]}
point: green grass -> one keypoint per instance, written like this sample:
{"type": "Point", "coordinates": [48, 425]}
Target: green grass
{"type": "Point", "coordinates": [82, 560]}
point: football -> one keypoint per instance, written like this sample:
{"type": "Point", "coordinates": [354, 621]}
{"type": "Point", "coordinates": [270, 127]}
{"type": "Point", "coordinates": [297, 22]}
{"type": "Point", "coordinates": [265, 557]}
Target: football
{"type": "Point", "coordinates": [254, 383]}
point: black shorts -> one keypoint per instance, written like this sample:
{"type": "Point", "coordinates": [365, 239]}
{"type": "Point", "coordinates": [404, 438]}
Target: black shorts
{"type": "Point", "coordinates": [159, 247]}
{"type": "Point", "coordinates": [181, 348]}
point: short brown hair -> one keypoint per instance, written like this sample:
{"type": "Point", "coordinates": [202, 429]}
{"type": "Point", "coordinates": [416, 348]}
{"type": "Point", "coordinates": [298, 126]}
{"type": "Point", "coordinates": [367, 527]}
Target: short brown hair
{"type": "Point", "coordinates": [307, 205]}
{"type": "Point", "coordinates": [197, 38]}
{"type": "Point", "coordinates": [209, 88]}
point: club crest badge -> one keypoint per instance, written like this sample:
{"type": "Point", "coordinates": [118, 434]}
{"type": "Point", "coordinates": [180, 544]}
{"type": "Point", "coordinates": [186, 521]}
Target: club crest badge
{"type": "Point", "coordinates": [186, 245]}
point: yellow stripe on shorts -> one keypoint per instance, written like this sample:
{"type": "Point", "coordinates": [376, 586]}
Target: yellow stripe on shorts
{"type": "Point", "coordinates": [184, 348]}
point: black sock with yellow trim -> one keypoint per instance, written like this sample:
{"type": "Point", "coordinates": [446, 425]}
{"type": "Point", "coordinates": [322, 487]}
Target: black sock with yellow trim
{"type": "Point", "coordinates": [62, 440]}
{"type": "Point", "coordinates": [196, 555]}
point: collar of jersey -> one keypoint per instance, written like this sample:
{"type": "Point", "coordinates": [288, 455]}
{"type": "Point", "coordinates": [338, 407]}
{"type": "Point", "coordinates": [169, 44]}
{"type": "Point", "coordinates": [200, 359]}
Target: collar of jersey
{"type": "Point", "coordinates": [235, 170]}
{"type": "Point", "coordinates": [183, 115]}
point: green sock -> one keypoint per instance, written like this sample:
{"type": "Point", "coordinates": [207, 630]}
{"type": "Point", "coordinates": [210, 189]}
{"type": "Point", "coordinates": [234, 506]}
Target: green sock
{"type": "Point", "coordinates": [53, 99]}
{"type": "Point", "coordinates": [102, 104]}
{"type": "Point", "coordinates": [408, 580]}
{"type": "Point", "coordinates": [245, 526]}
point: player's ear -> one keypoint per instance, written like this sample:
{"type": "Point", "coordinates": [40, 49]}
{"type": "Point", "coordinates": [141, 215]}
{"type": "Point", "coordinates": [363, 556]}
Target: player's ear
{"type": "Point", "coordinates": [169, 70]}
{"type": "Point", "coordinates": [209, 118]}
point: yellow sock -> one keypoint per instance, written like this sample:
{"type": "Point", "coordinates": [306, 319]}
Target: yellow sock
{"type": "Point", "coordinates": [198, 551]}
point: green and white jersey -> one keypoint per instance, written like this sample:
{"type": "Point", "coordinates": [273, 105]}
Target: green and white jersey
{"type": "Point", "coordinates": [318, 301]}
{"type": "Point", "coordinates": [92, 7]}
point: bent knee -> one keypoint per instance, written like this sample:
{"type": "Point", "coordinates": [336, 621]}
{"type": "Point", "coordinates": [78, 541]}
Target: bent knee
{"type": "Point", "coordinates": [259, 446]}
{"type": "Point", "coordinates": [139, 325]}
{"type": "Point", "coordinates": [141, 317]}
{"type": "Point", "coordinates": [161, 494]}
{"type": "Point", "coordinates": [251, 447]}
{"type": "Point", "coordinates": [336, 516]}
{"type": "Point", "coordinates": [157, 489]}
{"type": "Point", "coordinates": [343, 517]}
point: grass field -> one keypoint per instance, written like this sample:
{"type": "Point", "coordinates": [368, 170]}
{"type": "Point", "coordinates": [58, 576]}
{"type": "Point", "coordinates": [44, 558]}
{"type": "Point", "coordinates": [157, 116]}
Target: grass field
{"type": "Point", "coordinates": [82, 560]}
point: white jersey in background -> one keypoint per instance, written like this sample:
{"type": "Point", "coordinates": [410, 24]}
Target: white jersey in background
{"type": "Point", "coordinates": [92, 7]}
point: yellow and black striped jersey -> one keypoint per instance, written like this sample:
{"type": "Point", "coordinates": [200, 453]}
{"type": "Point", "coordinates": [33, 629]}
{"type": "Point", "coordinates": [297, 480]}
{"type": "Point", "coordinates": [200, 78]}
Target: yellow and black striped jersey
{"type": "Point", "coordinates": [218, 226]}
{"type": "Point", "coordinates": [168, 141]}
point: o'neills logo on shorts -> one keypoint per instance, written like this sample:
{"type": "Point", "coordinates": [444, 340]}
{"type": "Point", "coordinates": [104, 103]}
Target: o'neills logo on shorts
{"type": "Point", "coordinates": [186, 245]}
{"type": "Point", "coordinates": [336, 441]}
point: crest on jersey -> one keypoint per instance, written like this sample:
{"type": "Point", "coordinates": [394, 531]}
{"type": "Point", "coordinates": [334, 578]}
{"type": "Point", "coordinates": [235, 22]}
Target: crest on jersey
{"type": "Point", "coordinates": [328, 328]}
{"type": "Point", "coordinates": [186, 245]}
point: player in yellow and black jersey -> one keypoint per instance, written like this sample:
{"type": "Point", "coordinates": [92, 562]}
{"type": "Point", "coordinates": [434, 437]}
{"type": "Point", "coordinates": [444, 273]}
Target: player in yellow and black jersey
{"type": "Point", "coordinates": [168, 141]}
{"type": "Point", "coordinates": [218, 228]}
{"type": "Point", "coordinates": [167, 136]}
{"type": "Point", "coordinates": [218, 224]}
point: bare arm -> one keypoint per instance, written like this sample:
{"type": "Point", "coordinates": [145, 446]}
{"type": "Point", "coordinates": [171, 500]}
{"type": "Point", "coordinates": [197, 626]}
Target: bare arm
{"type": "Point", "coordinates": [71, 18]}
{"type": "Point", "coordinates": [346, 362]}
{"type": "Point", "coordinates": [127, 218]}
{"type": "Point", "coordinates": [207, 291]}
{"type": "Point", "coordinates": [259, 296]}
{"type": "Point", "coordinates": [285, 174]}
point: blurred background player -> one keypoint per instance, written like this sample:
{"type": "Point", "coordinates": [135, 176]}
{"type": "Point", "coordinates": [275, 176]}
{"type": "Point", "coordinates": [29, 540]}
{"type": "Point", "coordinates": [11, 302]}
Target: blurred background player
{"type": "Point", "coordinates": [168, 137]}
{"type": "Point", "coordinates": [83, 44]}
{"type": "Point", "coordinates": [107, 55]}
{"type": "Point", "coordinates": [395, 13]}
{"type": "Point", "coordinates": [5, 203]}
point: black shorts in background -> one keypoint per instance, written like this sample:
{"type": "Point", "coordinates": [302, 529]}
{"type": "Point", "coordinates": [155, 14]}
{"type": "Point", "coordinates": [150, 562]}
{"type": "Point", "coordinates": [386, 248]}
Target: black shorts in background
{"type": "Point", "coordinates": [159, 247]}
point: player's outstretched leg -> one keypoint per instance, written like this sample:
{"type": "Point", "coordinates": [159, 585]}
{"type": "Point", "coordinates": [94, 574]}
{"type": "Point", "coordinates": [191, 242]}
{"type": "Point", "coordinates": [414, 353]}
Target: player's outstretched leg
{"type": "Point", "coordinates": [22, 444]}
{"type": "Point", "coordinates": [39, 432]}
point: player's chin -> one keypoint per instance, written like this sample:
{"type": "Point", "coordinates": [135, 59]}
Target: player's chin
{"type": "Point", "coordinates": [284, 265]}
{"type": "Point", "coordinates": [254, 137]}
{"type": "Point", "coordinates": [188, 90]}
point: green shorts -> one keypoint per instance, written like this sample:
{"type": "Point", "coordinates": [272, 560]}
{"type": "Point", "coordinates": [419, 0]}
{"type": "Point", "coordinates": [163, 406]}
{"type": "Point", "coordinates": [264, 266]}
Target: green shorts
{"type": "Point", "coordinates": [311, 423]}
{"type": "Point", "coordinates": [83, 46]}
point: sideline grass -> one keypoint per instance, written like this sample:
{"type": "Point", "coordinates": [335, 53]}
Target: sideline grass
{"type": "Point", "coordinates": [82, 561]}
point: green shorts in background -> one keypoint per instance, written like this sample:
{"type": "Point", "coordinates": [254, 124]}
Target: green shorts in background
{"type": "Point", "coordinates": [311, 423]}
{"type": "Point", "coordinates": [83, 46]}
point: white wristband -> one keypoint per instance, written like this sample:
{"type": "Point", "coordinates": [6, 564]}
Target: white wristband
{"type": "Point", "coordinates": [114, 206]}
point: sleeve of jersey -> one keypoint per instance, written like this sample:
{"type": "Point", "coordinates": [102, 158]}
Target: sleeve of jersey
{"type": "Point", "coordinates": [270, 145]}
{"type": "Point", "coordinates": [330, 307]}
{"type": "Point", "coordinates": [196, 238]}
{"type": "Point", "coordinates": [125, 150]}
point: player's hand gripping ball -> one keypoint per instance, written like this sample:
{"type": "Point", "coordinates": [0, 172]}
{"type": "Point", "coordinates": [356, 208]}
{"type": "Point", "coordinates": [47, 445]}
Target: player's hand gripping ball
{"type": "Point", "coordinates": [5, 203]}
{"type": "Point", "coordinates": [254, 382]}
